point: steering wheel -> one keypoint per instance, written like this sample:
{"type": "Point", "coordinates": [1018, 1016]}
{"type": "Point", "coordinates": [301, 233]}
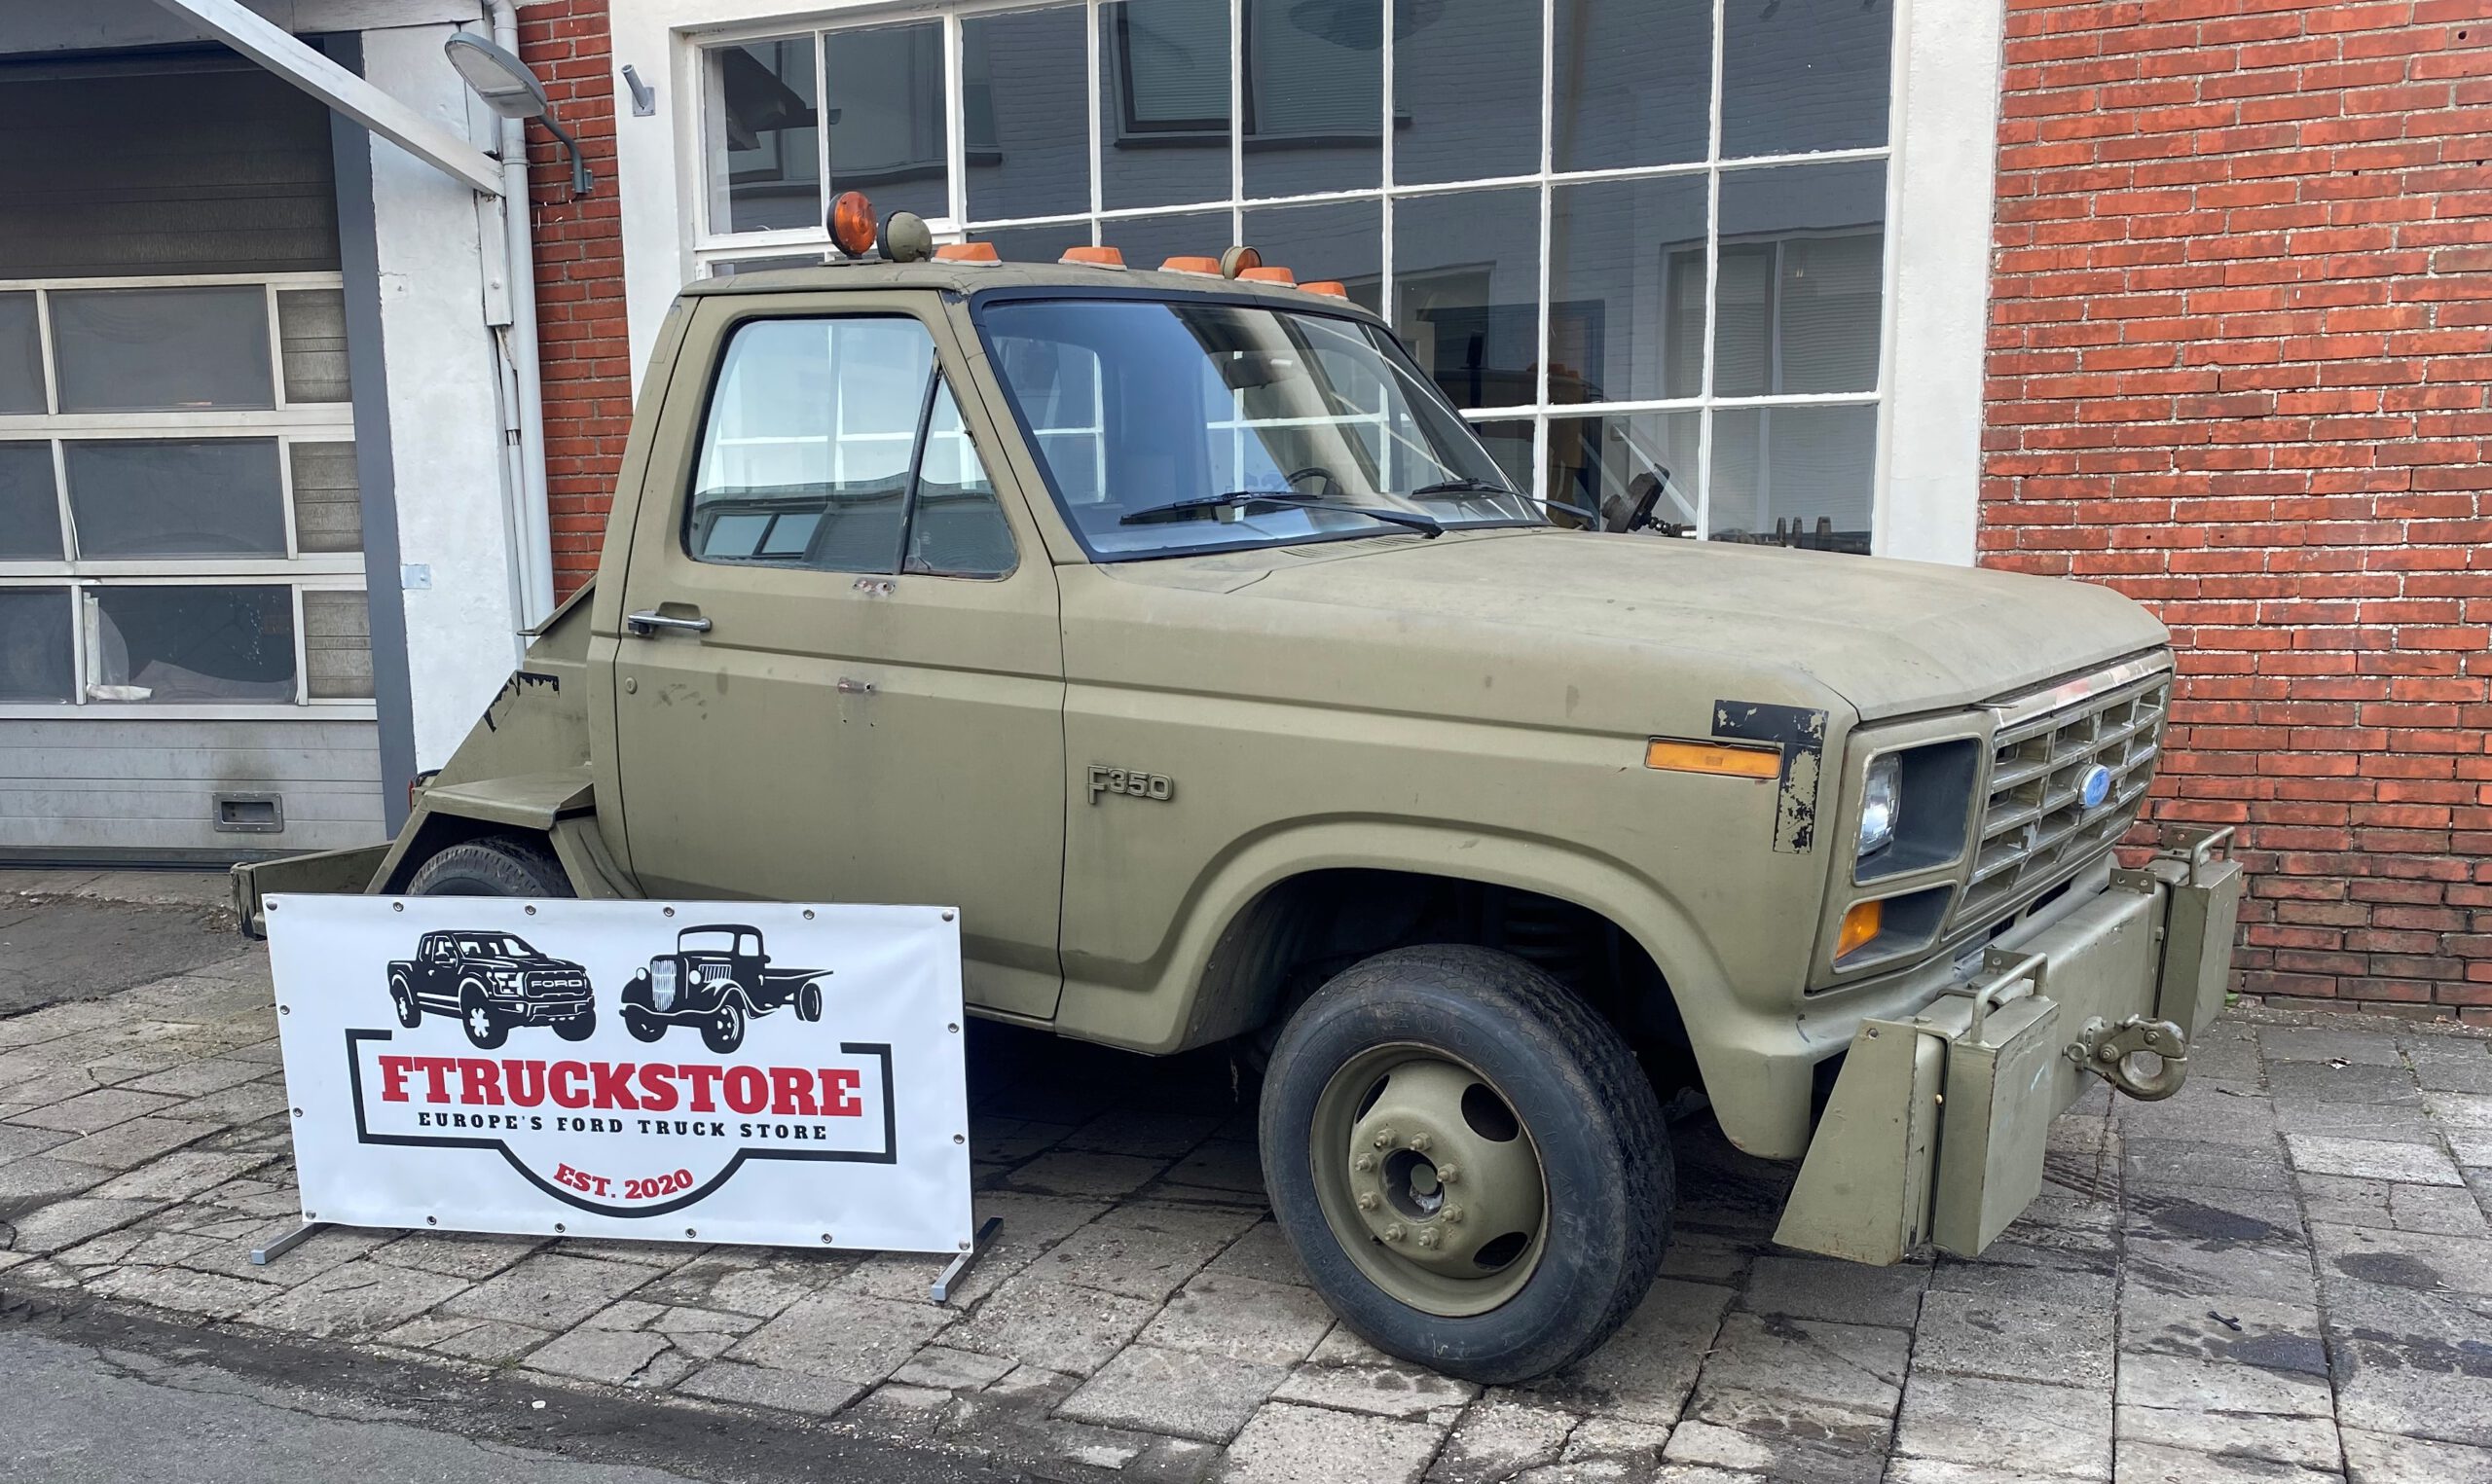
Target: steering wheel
{"type": "Point", "coordinates": [1311, 471]}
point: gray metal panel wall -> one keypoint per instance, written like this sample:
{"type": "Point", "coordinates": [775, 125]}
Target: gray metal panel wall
{"type": "Point", "coordinates": [142, 786]}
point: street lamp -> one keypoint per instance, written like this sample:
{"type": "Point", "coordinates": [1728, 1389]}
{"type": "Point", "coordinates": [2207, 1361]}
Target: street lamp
{"type": "Point", "coordinates": [512, 91]}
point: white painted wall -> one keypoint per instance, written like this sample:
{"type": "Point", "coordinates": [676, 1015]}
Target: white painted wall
{"type": "Point", "coordinates": [445, 409]}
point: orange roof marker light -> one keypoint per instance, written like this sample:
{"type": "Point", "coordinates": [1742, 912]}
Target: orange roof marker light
{"type": "Point", "coordinates": [1094, 257]}
{"type": "Point", "coordinates": [1191, 265]}
{"type": "Point", "coordinates": [852, 223]}
{"type": "Point", "coordinates": [979, 253]}
{"type": "Point", "coordinates": [1330, 287]}
{"type": "Point", "coordinates": [1269, 275]}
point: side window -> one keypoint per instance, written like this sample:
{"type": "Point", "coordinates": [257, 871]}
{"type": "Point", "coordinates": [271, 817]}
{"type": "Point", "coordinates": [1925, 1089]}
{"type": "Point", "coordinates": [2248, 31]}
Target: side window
{"type": "Point", "coordinates": [806, 459]}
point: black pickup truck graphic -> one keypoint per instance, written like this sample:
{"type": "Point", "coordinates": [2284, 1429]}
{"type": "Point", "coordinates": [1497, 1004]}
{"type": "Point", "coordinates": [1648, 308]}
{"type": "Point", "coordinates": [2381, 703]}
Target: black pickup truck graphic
{"type": "Point", "coordinates": [491, 981]}
{"type": "Point", "coordinates": [717, 979]}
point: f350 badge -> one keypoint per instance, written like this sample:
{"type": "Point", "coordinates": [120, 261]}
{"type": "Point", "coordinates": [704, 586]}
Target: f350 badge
{"type": "Point", "coordinates": [1132, 782]}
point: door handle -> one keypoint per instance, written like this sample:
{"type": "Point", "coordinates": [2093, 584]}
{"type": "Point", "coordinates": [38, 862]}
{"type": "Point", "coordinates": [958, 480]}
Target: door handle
{"type": "Point", "coordinates": [648, 621]}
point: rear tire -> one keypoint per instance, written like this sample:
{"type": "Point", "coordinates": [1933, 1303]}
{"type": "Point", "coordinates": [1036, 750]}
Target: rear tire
{"type": "Point", "coordinates": [402, 996]}
{"type": "Point", "coordinates": [1469, 1048]}
{"type": "Point", "coordinates": [493, 865]}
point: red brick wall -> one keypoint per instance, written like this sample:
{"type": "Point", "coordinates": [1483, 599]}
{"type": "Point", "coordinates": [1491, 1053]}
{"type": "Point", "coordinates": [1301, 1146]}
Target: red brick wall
{"type": "Point", "coordinates": [2238, 368]}
{"type": "Point", "coordinates": [586, 359]}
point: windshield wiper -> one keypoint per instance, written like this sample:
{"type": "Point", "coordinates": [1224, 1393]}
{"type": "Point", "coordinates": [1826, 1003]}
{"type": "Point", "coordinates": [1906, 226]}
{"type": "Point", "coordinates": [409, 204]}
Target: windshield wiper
{"type": "Point", "coordinates": [1279, 500]}
{"type": "Point", "coordinates": [1446, 488]}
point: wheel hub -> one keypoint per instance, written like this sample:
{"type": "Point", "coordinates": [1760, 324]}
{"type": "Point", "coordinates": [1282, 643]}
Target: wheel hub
{"type": "Point", "coordinates": [1441, 1174]}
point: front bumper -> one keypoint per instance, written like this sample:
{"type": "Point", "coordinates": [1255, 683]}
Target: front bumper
{"type": "Point", "coordinates": [539, 1011]}
{"type": "Point", "coordinates": [1938, 1124]}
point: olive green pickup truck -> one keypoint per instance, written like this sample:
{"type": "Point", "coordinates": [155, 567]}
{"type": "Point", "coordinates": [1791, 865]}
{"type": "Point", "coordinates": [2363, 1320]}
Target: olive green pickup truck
{"type": "Point", "coordinates": [1176, 628]}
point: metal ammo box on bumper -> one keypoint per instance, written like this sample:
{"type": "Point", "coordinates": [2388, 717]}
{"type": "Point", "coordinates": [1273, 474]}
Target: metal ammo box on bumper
{"type": "Point", "coordinates": [1937, 1123]}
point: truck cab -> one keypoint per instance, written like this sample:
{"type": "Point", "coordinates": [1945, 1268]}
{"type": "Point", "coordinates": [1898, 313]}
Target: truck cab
{"type": "Point", "coordinates": [1173, 625]}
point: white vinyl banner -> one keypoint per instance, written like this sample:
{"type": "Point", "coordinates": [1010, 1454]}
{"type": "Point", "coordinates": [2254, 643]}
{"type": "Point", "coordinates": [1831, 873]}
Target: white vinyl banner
{"type": "Point", "coordinates": [709, 1071]}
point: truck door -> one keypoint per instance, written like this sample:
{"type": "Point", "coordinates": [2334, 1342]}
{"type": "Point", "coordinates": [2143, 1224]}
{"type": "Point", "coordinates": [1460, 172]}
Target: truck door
{"type": "Point", "coordinates": [840, 677]}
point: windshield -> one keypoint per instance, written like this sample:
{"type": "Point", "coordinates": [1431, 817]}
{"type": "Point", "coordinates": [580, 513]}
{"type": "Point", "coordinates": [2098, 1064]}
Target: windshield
{"type": "Point", "coordinates": [494, 945]}
{"type": "Point", "coordinates": [716, 940]}
{"type": "Point", "coordinates": [1145, 415]}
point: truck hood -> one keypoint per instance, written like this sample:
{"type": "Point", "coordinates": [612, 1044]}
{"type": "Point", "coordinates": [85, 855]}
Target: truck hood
{"type": "Point", "coordinates": [1891, 638]}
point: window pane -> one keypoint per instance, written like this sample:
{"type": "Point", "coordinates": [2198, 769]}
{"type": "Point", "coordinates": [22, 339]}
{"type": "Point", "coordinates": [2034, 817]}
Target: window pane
{"type": "Point", "coordinates": [1797, 309]}
{"type": "Point", "coordinates": [1617, 465]}
{"type": "Point", "coordinates": [1164, 102]}
{"type": "Point", "coordinates": [764, 167]}
{"type": "Point", "coordinates": [1343, 240]}
{"type": "Point", "coordinates": [889, 137]}
{"type": "Point", "coordinates": [1466, 292]}
{"type": "Point", "coordinates": [1509, 442]}
{"type": "Point", "coordinates": [1148, 241]}
{"type": "Point", "coordinates": [1796, 476]}
{"type": "Point", "coordinates": [36, 660]}
{"type": "Point", "coordinates": [337, 646]}
{"type": "Point", "coordinates": [956, 528]}
{"type": "Point", "coordinates": [1805, 77]}
{"type": "Point", "coordinates": [311, 343]}
{"type": "Point", "coordinates": [30, 508]}
{"type": "Point", "coordinates": [1634, 83]}
{"type": "Point", "coordinates": [328, 497]}
{"type": "Point", "coordinates": [1035, 244]}
{"type": "Point", "coordinates": [1466, 89]}
{"type": "Point", "coordinates": [199, 644]}
{"type": "Point", "coordinates": [730, 269]}
{"type": "Point", "coordinates": [1315, 96]}
{"type": "Point", "coordinates": [1613, 248]}
{"type": "Point", "coordinates": [21, 355]}
{"type": "Point", "coordinates": [1025, 83]}
{"type": "Point", "coordinates": [168, 498]}
{"type": "Point", "coordinates": [805, 458]}
{"type": "Point", "coordinates": [125, 351]}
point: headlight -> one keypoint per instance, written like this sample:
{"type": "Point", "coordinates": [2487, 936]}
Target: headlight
{"type": "Point", "coordinates": [1881, 800]}
{"type": "Point", "coordinates": [504, 981]}
{"type": "Point", "coordinates": [693, 975]}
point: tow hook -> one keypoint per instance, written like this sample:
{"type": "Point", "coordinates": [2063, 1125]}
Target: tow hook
{"type": "Point", "coordinates": [2106, 1050]}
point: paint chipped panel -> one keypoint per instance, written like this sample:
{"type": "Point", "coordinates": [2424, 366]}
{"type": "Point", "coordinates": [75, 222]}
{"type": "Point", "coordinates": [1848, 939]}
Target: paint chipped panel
{"type": "Point", "coordinates": [1800, 732]}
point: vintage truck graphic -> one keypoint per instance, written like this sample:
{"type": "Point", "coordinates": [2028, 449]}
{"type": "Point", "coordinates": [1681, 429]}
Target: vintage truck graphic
{"type": "Point", "coordinates": [717, 979]}
{"type": "Point", "coordinates": [491, 981]}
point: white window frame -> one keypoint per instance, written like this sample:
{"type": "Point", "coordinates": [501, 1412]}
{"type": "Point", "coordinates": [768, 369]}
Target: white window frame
{"type": "Point", "coordinates": [286, 423]}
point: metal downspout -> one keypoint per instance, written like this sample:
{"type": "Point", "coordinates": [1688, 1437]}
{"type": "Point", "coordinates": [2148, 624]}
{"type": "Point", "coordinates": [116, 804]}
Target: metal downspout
{"type": "Point", "coordinates": [527, 451]}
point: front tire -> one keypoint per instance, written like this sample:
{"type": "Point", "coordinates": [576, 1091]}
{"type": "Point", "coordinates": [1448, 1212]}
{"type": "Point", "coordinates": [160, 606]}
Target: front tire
{"type": "Point", "coordinates": [493, 865]}
{"type": "Point", "coordinates": [485, 1029]}
{"type": "Point", "coordinates": [1468, 1160]}
{"type": "Point", "coordinates": [643, 1025]}
{"type": "Point", "coordinates": [577, 1029]}
{"type": "Point", "coordinates": [723, 1029]}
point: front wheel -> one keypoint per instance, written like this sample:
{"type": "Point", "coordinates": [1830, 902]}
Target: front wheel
{"type": "Point", "coordinates": [578, 1027]}
{"type": "Point", "coordinates": [643, 1025]}
{"type": "Point", "coordinates": [723, 1029]}
{"type": "Point", "coordinates": [483, 1027]}
{"type": "Point", "coordinates": [1468, 1160]}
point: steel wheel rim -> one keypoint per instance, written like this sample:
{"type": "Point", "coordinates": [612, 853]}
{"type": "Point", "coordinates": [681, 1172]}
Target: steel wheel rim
{"type": "Point", "coordinates": [480, 1021]}
{"type": "Point", "coordinates": [1454, 1226]}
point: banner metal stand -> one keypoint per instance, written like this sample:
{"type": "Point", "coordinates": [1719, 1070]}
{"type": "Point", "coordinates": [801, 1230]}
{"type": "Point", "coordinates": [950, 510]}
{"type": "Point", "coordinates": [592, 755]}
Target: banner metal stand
{"type": "Point", "coordinates": [942, 1288]}
{"type": "Point", "coordinates": [262, 1256]}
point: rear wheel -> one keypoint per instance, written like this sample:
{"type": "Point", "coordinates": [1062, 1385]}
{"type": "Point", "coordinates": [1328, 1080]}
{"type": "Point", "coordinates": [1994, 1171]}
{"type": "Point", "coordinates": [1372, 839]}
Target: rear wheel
{"type": "Point", "coordinates": [492, 865]}
{"type": "Point", "coordinates": [402, 996]}
{"type": "Point", "coordinates": [809, 1002]}
{"type": "Point", "coordinates": [1468, 1160]}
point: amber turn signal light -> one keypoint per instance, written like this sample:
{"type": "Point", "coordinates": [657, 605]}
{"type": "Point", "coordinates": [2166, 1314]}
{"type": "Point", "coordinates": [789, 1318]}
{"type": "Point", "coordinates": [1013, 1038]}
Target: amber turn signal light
{"type": "Point", "coordinates": [1860, 925]}
{"type": "Point", "coordinates": [852, 223]}
{"type": "Point", "coordinates": [1190, 265]}
{"type": "Point", "coordinates": [1673, 756]}
{"type": "Point", "coordinates": [967, 252]}
{"type": "Point", "coordinates": [1332, 288]}
{"type": "Point", "coordinates": [1095, 257]}
{"type": "Point", "coordinates": [1268, 276]}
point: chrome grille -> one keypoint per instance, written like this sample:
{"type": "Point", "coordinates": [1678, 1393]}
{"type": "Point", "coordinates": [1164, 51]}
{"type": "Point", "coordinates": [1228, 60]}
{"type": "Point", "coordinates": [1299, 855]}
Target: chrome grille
{"type": "Point", "coordinates": [2035, 829]}
{"type": "Point", "coordinates": [662, 975]}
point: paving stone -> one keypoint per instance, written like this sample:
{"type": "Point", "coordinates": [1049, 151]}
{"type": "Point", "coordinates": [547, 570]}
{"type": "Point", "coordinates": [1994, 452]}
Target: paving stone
{"type": "Point", "coordinates": [761, 1386]}
{"type": "Point", "coordinates": [208, 1295]}
{"type": "Point", "coordinates": [18, 1142]}
{"type": "Point", "coordinates": [1380, 1388]}
{"type": "Point", "coordinates": [2306, 1442]}
{"type": "Point", "coordinates": [952, 1370]}
{"type": "Point", "coordinates": [2272, 1336]}
{"type": "Point", "coordinates": [1844, 1292]}
{"type": "Point", "coordinates": [182, 1175]}
{"type": "Point", "coordinates": [1607, 1438]}
{"type": "Point", "coordinates": [2451, 1065]}
{"type": "Point", "coordinates": [2396, 1122]}
{"type": "Point", "coordinates": [68, 1222]}
{"type": "Point", "coordinates": [547, 1291]}
{"type": "Point", "coordinates": [1262, 1253]}
{"type": "Point", "coordinates": [1142, 1133]}
{"type": "Point", "coordinates": [2222, 1272]}
{"type": "Point", "coordinates": [191, 1079]}
{"type": "Point", "coordinates": [624, 1314]}
{"type": "Point", "coordinates": [1980, 1421]}
{"type": "Point", "coordinates": [2208, 1112]}
{"type": "Point", "coordinates": [2420, 1260]}
{"type": "Point", "coordinates": [86, 1112]}
{"type": "Point", "coordinates": [2375, 1458]}
{"type": "Point", "coordinates": [1010, 1140]}
{"type": "Point", "coordinates": [2018, 1339]}
{"type": "Point", "coordinates": [1500, 1436]}
{"type": "Point", "coordinates": [2328, 1043]}
{"type": "Point", "coordinates": [476, 1255]}
{"type": "Point", "coordinates": [1911, 1471]}
{"type": "Point", "coordinates": [125, 1145]}
{"type": "Point", "coordinates": [1186, 1393]}
{"type": "Point", "coordinates": [614, 1356]}
{"type": "Point", "coordinates": [30, 1180]}
{"type": "Point", "coordinates": [2227, 1383]}
{"type": "Point", "coordinates": [1645, 1371]}
{"type": "Point", "coordinates": [844, 1335]}
{"type": "Point", "coordinates": [1245, 1318]}
{"type": "Point", "coordinates": [1141, 1252]}
{"type": "Point", "coordinates": [244, 1103]}
{"type": "Point", "coordinates": [2188, 1165]}
{"type": "Point", "coordinates": [1802, 1378]}
{"type": "Point", "coordinates": [2420, 1386]}
{"type": "Point", "coordinates": [1053, 1325]}
{"type": "Point", "coordinates": [1290, 1444]}
{"type": "Point", "coordinates": [2326, 1082]}
{"type": "Point", "coordinates": [1220, 1164]}
{"type": "Point", "coordinates": [1086, 1173]}
{"type": "Point", "coordinates": [1780, 1457]}
{"type": "Point", "coordinates": [762, 1288]}
{"type": "Point", "coordinates": [488, 1341]}
{"type": "Point", "coordinates": [357, 1300]}
{"type": "Point", "coordinates": [2145, 1463]}
{"type": "Point", "coordinates": [1031, 1224]}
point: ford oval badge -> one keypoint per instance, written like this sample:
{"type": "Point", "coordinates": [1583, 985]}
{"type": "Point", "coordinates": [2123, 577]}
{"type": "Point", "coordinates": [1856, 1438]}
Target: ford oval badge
{"type": "Point", "coordinates": [2095, 786]}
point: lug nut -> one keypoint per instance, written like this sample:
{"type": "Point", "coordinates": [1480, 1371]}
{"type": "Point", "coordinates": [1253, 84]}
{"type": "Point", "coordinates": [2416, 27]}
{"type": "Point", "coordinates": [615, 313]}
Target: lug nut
{"type": "Point", "coordinates": [1447, 1174]}
{"type": "Point", "coordinates": [1393, 1233]}
{"type": "Point", "coordinates": [1384, 1138]}
{"type": "Point", "coordinates": [1367, 1200]}
{"type": "Point", "coordinates": [1418, 1143]}
{"type": "Point", "coordinates": [1453, 1215]}
{"type": "Point", "coordinates": [1427, 1239]}
{"type": "Point", "coordinates": [1364, 1163]}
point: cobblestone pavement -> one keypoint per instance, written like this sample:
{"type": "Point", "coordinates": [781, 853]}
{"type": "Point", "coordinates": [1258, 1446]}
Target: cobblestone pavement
{"type": "Point", "coordinates": [2282, 1274]}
